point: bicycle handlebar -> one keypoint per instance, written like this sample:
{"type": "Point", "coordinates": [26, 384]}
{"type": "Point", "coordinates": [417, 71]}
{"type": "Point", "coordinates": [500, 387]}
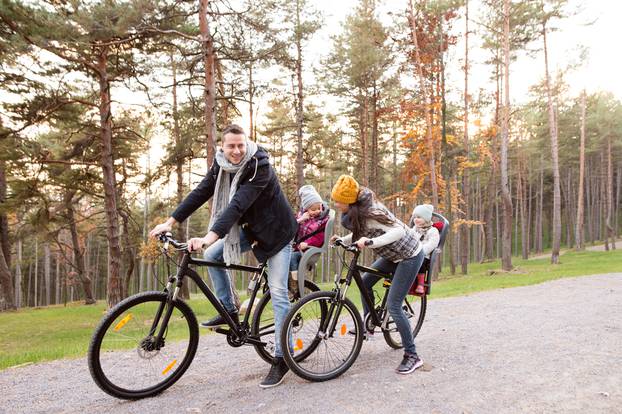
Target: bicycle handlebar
{"type": "Point", "coordinates": [352, 247]}
{"type": "Point", "coordinates": [168, 238]}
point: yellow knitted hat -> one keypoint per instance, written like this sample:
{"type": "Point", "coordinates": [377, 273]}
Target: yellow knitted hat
{"type": "Point", "coordinates": [345, 190]}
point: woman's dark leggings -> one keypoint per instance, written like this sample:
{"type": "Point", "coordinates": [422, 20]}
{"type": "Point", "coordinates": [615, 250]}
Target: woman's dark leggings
{"type": "Point", "coordinates": [404, 274]}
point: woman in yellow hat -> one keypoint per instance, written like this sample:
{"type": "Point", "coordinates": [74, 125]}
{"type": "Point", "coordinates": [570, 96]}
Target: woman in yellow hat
{"type": "Point", "coordinates": [397, 245]}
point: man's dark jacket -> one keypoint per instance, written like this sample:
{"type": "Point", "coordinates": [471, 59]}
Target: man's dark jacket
{"type": "Point", "coordinates": [259, 205]}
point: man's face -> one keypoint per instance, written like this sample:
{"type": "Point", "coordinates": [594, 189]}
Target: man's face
{"type": "Point", "coordinates": [234, 147]}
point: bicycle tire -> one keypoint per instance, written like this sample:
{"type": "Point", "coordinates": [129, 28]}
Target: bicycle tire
{"type": "Point", "coordinates": [391, 334]}
{"type": "Point", "coordinates": [127, 323]}
{"type": "Point", "coordinates": [262, 325]}
{"type": "Point", "coordinates": [331, 311]}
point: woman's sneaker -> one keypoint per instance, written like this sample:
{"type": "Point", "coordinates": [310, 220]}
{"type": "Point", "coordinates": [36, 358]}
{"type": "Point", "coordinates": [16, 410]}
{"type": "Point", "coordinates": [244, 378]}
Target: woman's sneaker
{"type": "Point", "coordinates": [409, 364]}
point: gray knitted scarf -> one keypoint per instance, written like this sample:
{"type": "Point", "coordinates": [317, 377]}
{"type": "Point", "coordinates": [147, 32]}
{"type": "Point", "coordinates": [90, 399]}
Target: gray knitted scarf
{"type": "Point", "coordinates": [223, 194]}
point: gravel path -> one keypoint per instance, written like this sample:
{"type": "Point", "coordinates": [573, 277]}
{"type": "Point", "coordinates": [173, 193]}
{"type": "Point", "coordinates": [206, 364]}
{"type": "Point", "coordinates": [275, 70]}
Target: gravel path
{"type": "Point", "coordinates": [549, 348]}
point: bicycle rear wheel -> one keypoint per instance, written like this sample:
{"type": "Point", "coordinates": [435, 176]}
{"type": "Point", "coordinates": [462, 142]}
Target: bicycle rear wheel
{"type": "Point", "coordinates": [124, 357]}
{"type": "Point", "coordinates": [263, 323]}
{"type": "Point", "coordinates": [319, 326]}
{"type": "Point", "coordinates": [414, 307]}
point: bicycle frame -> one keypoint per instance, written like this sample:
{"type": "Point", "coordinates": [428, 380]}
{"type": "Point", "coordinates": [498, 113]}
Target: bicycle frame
{"type": "Point", "coordinates": [184, 270]}
{"type": "Point", "coordinates": [354, 272]}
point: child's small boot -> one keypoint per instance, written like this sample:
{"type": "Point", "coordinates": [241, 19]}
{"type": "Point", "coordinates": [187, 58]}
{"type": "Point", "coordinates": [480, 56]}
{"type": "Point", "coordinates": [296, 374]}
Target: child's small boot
{"type": "Point", "coordinates": [292, 285]}
{"type": "Point", "coordinates": [420, 289]}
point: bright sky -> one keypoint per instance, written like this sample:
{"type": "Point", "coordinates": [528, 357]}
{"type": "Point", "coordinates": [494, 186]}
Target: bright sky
{"type": "Point", "coordinates": [600, 72]}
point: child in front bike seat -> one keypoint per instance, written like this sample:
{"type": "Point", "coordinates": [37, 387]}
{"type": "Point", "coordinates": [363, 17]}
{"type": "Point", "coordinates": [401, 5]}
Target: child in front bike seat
{"type": "Point", "coordinates": [421, 222]}
{"type": "Point", "coordinates": [398, 247]}
{"type": "Point", "coordinates": [312, 219]}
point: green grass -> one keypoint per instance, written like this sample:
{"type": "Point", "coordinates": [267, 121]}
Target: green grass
{"type": "Point", "coordinates": [528, 272]}
{"type": "Point", "coordinates": [33, 335]}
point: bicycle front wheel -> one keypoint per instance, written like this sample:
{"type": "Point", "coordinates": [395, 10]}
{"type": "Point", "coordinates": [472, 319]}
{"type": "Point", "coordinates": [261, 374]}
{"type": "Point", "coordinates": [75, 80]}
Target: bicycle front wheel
{"type": "Point", "coordinates": [414, 308]}
{"type": "Point", "coordinates": [328, 330]}
{"type": "Point", "coordinates": [263, 322]}
{"type": "Point", "coordinates": [125, 358]}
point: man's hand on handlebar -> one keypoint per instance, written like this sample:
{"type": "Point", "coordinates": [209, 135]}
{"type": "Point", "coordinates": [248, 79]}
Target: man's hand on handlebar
{"type": "Point", "coordinates": [198, 243]}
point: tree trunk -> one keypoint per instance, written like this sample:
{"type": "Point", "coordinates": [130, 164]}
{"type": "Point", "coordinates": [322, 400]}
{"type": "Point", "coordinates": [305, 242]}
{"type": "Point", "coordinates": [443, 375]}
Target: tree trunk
{"type": "Point", "coordinates": [78, 253]}
{"type": "Point", "coordinates": [128, 252]}
{"type": "Point", "coordinates": [529, 210]}
{"type": "Point", "coordinates": [179, 170]}
{"type": "Point", "coordinates": [579, 238]}
{"type": "Point", "coordinates": [609, 198]}
{"type": "Point", "coordinates": [506, 245]}
{"type": "Point", "coordinates": [18, 275]}
{"type": "Point", "coordinates": [300, 177]}
{"type": "Point", "coordinates": [557, 220]}
{"type": "Point", "coordinates": [36, 275]}
{"type": "Point", "coordinates": [6, 278]}
{"type": "Point", "coordinates": [394, 163]}
{"type": "Point", "coordinates": [427, 106]}
{"type": "Point", "coordinates": [464, 237]}
{"type": "Point", "coordinates": [29, 285]}
{"type": "Point", "coordinates": [489, 226]}
{"type": "Point", "coordinates": [539, 219]}
{"type": "Point", "coordinates": [251, 109]}
{"type": "Point", "coordinates": [209, 93]}
{"type": "Point", "coordinates": [46, 272]}
{"type": "Point", "coordinates": [363, 123]}
{"type": "Point", "coordinates": [5, 243]}
{"type": "Point", "coordinates": [114, 294]}
{"type": "Point", "coordinates": [617, 206]}
{"type": "Point", "coordinates": [375, 185]}
{"type": "Point", "coordinates": [57, 292]}
{"type": "Point", "coordinates": [522, 203]}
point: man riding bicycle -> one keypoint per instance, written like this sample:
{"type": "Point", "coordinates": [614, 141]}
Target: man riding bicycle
{"type": "Point", "coordinates": [249, 211]}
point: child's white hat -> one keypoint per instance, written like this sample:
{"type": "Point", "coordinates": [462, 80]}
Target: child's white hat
{"type": "Point", "coordinates": [424, 211]}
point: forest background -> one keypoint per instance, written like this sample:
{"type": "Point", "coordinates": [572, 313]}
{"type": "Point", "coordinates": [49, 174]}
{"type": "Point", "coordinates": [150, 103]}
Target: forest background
{"type": "Point", "coordinates": [505, 115]}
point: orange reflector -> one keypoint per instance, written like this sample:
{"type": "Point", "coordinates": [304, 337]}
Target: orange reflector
{"type": "Point", "coordinates": [122, 322]}
{"type": "Point", "coordinates": [299, 345]}
{"type": "Point", "coordinates": [169, 366]}
{"type": "Point", "coordinates": [343, 329]}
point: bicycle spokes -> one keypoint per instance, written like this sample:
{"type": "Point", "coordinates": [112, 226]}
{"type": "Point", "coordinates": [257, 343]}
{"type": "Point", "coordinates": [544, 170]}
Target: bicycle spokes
{"type": "Point", "coordinates": [131, 346]}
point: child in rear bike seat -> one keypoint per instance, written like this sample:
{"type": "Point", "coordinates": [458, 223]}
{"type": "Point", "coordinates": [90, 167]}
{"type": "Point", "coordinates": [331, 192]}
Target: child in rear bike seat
{"type": "Point", "coordinates": [421, 222]}
{"type": "Point", "coordinates": [398, 247]}
{"type": "Point", "coordinates": [312, 219]}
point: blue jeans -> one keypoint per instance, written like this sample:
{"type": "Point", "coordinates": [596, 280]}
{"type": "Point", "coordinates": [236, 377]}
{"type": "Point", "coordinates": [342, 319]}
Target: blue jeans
{"type": "Point", "coordinates": [294, 262]}
{"type": "Point", "coordinates": [404, 275]}
{"type": "Point", "coordinates": [278, 271]}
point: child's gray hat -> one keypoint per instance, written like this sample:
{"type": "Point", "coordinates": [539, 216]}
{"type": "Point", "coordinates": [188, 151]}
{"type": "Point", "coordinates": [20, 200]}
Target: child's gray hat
{"type": "Point", "coordinates": [308, 196]}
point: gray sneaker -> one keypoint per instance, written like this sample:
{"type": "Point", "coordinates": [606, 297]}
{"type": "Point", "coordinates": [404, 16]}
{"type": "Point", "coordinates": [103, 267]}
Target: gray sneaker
{"type": "Point", "coordinates": [409, 364]}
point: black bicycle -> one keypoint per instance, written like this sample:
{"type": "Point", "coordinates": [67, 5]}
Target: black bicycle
{"type": "Point", "coordinates": [146, 342]}
{"type": "Point", "coordinates": [332, 327]}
